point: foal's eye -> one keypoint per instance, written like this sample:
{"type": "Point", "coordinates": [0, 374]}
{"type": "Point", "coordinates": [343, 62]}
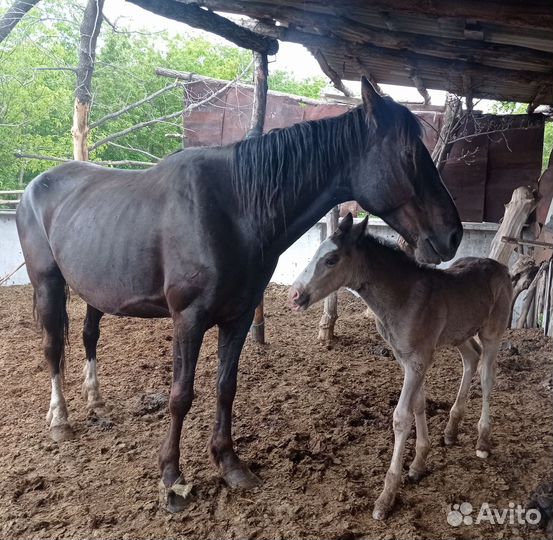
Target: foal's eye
{"type": "Point", "coordinates": [332, 260]}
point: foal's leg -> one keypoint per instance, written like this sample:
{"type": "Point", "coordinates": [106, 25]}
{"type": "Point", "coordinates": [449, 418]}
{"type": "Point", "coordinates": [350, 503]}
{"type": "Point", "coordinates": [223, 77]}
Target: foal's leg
{"type": "Point", "coordinates": [50, 305]}
{"type": "Point", "coordinates": [91, 334]}
{"type": "Point", "coordinates": [231, 340]}
{"type": "Point", "coordinates": [415, 369]}
{"type": "Point", "coordinates": [490, 348]}
{"type": "Point", "coordinates": [470, 355]}
{"type": "Point", "coordinates": [187, 340]}
{"type": "Point", "coordinates": [418, 467]}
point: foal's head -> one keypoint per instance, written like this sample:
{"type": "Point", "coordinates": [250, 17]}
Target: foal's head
{"type": "Point", "coordinates": [334, 265]}
{"type": "Point", "coordinates": [397, 180]}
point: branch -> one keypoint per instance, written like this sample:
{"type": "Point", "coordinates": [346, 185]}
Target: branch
{"type": "Point", "coordinates": [14, 14]}
{"type": "Point", "coordinates": [65, 160]}
{"type": "Point", "coordinates": [132, 149]}
{"type": "Point", "coordinates": [132, 106]}
{"type": "Point", "coordinates": [193, 15]}
{"type": "Point", "coordinates": [147, 123]}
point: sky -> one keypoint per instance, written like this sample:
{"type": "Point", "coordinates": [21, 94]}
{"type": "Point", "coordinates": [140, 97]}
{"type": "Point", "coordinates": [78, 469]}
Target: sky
{"type": "Point", "coordinates": [290, 57]}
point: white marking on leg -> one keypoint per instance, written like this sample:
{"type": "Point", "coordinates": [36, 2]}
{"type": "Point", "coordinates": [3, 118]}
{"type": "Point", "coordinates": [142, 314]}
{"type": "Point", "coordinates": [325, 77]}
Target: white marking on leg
{"type": "Point", "coordinates": [487, 380]}
{"type": "Point", "coordinates": [57, 413]}
{"type": "Point", "coordinates": [422, 445]}
{"type": "Point", "coordinates": [91, 385]}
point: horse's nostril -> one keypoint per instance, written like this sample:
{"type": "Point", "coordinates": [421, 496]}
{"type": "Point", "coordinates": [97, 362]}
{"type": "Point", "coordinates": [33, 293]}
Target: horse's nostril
{"type": "Point", "coordinates": [294, 294]}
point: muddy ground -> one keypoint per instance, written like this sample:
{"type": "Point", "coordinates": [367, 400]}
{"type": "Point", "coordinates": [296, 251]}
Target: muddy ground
{"type": "Point", "coordinates": [314, 423]}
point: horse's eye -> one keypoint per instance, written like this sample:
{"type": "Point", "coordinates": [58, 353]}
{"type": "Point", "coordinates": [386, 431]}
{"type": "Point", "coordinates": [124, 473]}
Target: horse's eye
{"type": "Point", "coordinates": [332, 260]}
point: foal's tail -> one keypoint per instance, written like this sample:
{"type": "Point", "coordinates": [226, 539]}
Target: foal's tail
{"type": "Point", "coordinates": [60, 325]}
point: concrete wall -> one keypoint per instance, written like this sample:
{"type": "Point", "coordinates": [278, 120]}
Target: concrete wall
{"type": "Point", "coordinates": [10, 250]}
{"type": "Point", "coordinates": [476, 242]}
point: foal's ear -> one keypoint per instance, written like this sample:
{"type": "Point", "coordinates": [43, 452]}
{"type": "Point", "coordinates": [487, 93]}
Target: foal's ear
{"type": "Point", "coordinates": [345, 225]}
{"type": "Point", "coordinates": [360, 229]}
{"type": "Point", "coordinates": [372, 100]}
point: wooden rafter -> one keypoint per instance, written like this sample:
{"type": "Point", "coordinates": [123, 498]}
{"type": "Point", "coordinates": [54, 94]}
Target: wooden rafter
{"type": "Point", "coordinates": [331, 74]}
{"type": "Point", "coordinates": [193, 15]}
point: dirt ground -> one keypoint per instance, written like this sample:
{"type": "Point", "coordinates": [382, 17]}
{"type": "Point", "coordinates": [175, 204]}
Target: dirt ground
{"type": "Point", "coordinates": [314, 423]}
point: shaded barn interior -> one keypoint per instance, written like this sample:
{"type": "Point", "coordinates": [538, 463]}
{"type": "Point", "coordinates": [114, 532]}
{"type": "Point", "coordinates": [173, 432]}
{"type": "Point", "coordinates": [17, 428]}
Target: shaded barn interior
{"type": "Point", "coordinates": [481, 171]}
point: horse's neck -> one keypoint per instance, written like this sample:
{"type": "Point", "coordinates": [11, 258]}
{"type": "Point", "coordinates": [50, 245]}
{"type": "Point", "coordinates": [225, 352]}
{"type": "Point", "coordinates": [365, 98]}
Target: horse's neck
{"type": "Point", "coordinates": [316, 194]}
{"type": "Point", "coordinates": [384, 278]}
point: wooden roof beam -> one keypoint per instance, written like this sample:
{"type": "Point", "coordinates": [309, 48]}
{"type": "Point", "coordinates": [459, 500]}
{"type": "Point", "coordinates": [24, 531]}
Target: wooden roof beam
{"type": "Point", "coordinates": [193, 15]}
{"type": "Point", "coordinates": [331, 74]}
{"type": "Point", "coordinates": [535, 13]}
{"type": "Point", "coordinates": [419, 85]}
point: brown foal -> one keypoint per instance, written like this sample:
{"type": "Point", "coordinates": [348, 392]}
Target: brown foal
{"type": "Point", "coordinates": [417, 309]}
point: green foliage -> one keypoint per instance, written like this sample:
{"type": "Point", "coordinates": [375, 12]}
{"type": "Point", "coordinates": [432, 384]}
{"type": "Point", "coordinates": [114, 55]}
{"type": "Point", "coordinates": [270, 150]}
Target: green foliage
{"type": "Point", "coordinates": [285, 82]}
{"type": "Point", "coordinates": [36, 105]}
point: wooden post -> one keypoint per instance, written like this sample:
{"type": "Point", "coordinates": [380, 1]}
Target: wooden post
{"type": "Point", "coordinates": [517, 211]}
{"type": "Point", "coordinates": [447, 131]}
{"type": "Point", "coordinates": [90, 28]}
{"type": "Point", "coordinates": [256, 130]}
{"type": "Point", "coordinates": [330, 307]}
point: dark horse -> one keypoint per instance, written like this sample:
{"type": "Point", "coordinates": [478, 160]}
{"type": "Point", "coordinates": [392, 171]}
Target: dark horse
{"type": "Point", "coordinates": [197, 238]}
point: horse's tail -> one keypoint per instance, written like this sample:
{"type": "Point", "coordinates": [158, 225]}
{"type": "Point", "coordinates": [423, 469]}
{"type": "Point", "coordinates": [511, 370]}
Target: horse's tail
{"type": "Point", "coordinates": [62, 326]}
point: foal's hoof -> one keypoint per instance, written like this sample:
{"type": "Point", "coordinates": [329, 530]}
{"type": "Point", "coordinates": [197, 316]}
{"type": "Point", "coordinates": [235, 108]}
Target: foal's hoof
{"type": "Point", "coordinates": [482, 454]}
{"type": "Point", "coordinates": [241, 478]}
{"type": "Point", "coordinates": [173, 499]}
{"type": "Point", "coordinates": [62, 433]}
{"type": "Point", "coordinates": [416, 476]}
{"type": "Point", "coordinates": [450, 440]}
{"type": "Point", "coordinates": [383, 506]}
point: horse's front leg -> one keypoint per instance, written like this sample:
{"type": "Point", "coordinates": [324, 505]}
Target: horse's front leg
{"type": "Point", "coordinates": [231, 340]}
{"type": "Point", "coordinates": [187, 340]}
{"type": "Point", "coordinates": [415, 369]}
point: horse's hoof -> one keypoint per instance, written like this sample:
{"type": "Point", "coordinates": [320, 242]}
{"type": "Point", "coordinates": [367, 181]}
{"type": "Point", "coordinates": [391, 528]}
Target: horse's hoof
{"type": "Point", "coordinates": [174, 498]}
{"type": "Point", "coordinates": [62, 433]}
{"type": "Point", "coordinates": [379, 514]}
{"type": "Point", "coordinates": [450, 440]}
{"type": "Point", "coordinates": [416, 476]}
{"type": "Point", "coordinates": [241, 478]}
{"type": "Point", "coordinates": [482, 454]}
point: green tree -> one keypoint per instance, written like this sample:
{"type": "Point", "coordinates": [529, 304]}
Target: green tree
{"type": "Point", "coordinates": [37, 87]}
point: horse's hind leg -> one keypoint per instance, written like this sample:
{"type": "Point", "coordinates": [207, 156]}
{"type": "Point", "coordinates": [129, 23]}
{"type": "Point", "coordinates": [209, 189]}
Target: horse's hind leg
{"type": "Point", "coordinates": [91, 386]}
{"type": "Point", "coordinates": [490, 347]}
{"type": "Point", "coordinates": [422, 446]}
{"type": "Point", "coordinates": [50, 297]}
{"type": "Point", "coordinates": [470, 353]}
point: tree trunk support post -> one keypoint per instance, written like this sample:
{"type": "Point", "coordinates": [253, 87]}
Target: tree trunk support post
{"type": "Point", "coordinates": [330, 306]}
{"type": "Point", "coordinates": [256, 130]}
{"type": "Point", "coordinates": [90, 28]}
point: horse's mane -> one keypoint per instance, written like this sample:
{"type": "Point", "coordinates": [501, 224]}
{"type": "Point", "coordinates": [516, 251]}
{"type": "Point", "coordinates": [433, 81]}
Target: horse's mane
{"type": "Point", "coordinates": [269, 171]}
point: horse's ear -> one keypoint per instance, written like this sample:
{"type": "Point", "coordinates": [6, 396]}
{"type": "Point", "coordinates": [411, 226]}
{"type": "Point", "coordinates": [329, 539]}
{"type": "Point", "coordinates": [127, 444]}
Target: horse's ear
{"type": "Point", "coordinates": [361, 228]}
{"type": "Point", "coordinates": [345, 225]}
{"type": "Point", "coordinates": [372, 100]}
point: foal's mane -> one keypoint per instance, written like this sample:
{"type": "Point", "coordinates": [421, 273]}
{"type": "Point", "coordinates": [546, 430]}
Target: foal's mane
{"type": "Point", "coordinates": [268, 172]}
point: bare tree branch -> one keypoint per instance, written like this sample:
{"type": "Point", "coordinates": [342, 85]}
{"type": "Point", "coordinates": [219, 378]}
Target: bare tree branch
{"type": "Point", "coordinates": [133, 149]}
{"type": "Point", "coordinates": [132, 106]}
{"type": "Point", "coordinates": [191, 107]}
{"type": "Point", "coordinates": [14, 14]}
{"type": "Point", "coordinates": [129, 162]}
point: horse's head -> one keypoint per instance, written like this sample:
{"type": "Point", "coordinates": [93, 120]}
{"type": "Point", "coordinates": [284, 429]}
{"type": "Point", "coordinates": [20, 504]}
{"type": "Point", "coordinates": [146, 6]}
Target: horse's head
{"type": "Point", "coordinates": [397, 181]}
{"type": "Point", "coordinates": [333, 266]}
